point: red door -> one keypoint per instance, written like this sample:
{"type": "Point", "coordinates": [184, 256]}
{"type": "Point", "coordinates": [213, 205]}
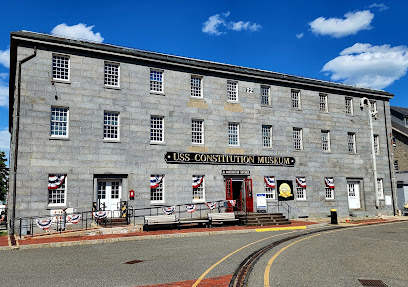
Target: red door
{"type": "Point", "coordinates": [248, 195]}
{"type": "Point", "coordinates": [228, 194]}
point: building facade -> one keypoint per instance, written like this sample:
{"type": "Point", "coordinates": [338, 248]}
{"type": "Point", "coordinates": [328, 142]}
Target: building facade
{"type": "Point", "coordinates": [92, 122]}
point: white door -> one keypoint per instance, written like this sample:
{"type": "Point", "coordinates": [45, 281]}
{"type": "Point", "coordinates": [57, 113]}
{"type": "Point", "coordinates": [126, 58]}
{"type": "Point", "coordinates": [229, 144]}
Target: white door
{"type": "Point", "coordinates": [109, 194]}
{"type": "Point", "coordinates": [353, 191]}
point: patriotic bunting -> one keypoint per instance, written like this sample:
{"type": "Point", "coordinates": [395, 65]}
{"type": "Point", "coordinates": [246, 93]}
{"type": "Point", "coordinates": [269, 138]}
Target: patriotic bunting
{"type": "Point", "coordinates": [55, 181]}
{"type": "Point", "coordinates": [329, 182]}
{"type": "Point", "coordinates": [44, 223]}
{"type": "Point", "coordinates": [168, 209]}
{"type": "Point", "coordinates": [301, 181]}
{"type": "Point", "coordinates": [190, 208]}
{"type": "Point", "coordinates": [270, 181]}
{"type": "Point", "coordinates": [155, 181]}
{"type": "Point", "coordinates": [197, 181]}
{"type": "Point", "coordinates": [74, 218]}
{"type": "Point", "coordinates": [232, 202]}
{"type": "Point", "coordinates": [100, 215]}
{"type": "Point", "coordinates": [211, 205]}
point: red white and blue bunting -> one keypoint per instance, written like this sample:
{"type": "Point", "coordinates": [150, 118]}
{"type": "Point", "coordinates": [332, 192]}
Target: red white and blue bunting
{"type": "Point", "coordinates": [44, 223]}
{"type": "Point", "coordinates": [329, 182]}
{"type": "Point", "coordinates": [155, 181]}
{"type": "Point", "coordinates": [232, 202]}
{"type": "Point", "coordinates": [74, 218]}
{"type": "Point", "coordinates": [100, 214]}
{"type": "Point", "coordinates": [301, 181]}
{"type": "Point", "coordinates": [197, 181]}
{"type": "Point", "coordinates": [55, 180]}
{"type": "Point", "coordinates": [270, 181]}
{"type": "Point", "coordinates": [168, 209]}
{"type": "Point", "coordinates": [211, 205]}
{"type": "Point", "coordinates": [190, 208]}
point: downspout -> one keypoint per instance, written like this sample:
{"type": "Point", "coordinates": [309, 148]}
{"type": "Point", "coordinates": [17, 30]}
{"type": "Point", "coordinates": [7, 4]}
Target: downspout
{"type": "Point", "coordinates": [392, 175]}
{"type": "Point", "coordinates": [14, 170]}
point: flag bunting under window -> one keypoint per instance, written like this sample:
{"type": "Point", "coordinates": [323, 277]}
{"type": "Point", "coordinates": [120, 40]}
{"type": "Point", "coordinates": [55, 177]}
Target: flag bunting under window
{"type": "Point", "coordinates": [270, 181]}
{"type": "Point", "coordinates": [329, 182]}
{"type": "Point", "coordinates": [197, 181]}
{"type": "Point", "coordinates": [155, 181]}
{"type": "Point", "coordinates": [301, 181]}
{"type": "Point", "coordinates": [55, 181]}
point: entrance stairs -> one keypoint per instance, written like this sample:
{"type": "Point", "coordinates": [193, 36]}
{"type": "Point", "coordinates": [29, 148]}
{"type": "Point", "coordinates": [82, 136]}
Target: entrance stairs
{"type": "Point", "coordinates": [263, 219]}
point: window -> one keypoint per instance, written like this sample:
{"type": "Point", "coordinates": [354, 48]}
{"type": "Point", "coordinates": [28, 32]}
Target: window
{"type": "Point", "coordinates": [351, 138]}
{"type": "Point", "coordinates": [380, 188]}
{"type": "Point", "coordinates": [406, 122]}
{"type": "Point", "coordinates": [295, 95]}
{"type": "Point", "coordinates": [156, 129]}
{"type": "Point", "coordinates": [325, 140]}
{"type": "Point", "coordinates": [265, 95]}
{"type": "Point", "coordinates": [198, 188]}
{"type": "Point", "coordinates": [323, 103]}
{"type": "Point", "coordinates": [156, 81]}
{"type": "Point", "coordinates": [232, 91]}
{"type": "Point", "coordinates": [111, 125]}
{"type": "Point", "coordinates": [373, 106]}
{"type": "Point", "coordinates": [60, 67]}
{"type": "Point", "coordinates": [376, 144]}
{"type": "Point", "coordinates": [301, 188]}
{"type": "Point", "coordinates": [329, 188]}
{"type": "Point", "coordinates": [196, 87]}
{"type": "Point", "coordinates": [269, 187]}
{"type": "Point", "coordinates": [297, 139]}
{"type": "Point", "coordinates": [111, 74]}
{"type": "Point", "coordinates": [57, 189]}
{"type": "Point", "coordinates": [233, 134]}
{"type": "Point", "coordinates": [396, 166]}
{"type": "Point", "coordinates": [197, 131]}
{"type": "Point", "coordinates": [59, 122]}
{"type": "Point", "coordinates": [156, 188]}
{"type": "Point", "coordinates": [266, 136]}
{"type": "Point", "coordinates": [349, 106]}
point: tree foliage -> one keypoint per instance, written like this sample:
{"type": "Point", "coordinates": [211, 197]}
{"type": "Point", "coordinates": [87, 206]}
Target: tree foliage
{"type": "Point", "coordinates": [4, 173]}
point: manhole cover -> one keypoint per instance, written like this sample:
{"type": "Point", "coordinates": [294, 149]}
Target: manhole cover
{"type": "Point", "coordinates": [372, 283]}
{"type": "Point", "coordinates": [133, 261]}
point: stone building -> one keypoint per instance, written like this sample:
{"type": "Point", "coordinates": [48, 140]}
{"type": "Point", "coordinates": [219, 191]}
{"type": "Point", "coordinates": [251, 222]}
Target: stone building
{"type": "Point", "coordinates": [93, 122]}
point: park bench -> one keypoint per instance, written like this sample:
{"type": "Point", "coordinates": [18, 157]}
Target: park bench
{"type": "Point", "coordinates": [222, 218]}
{"type": "Point", "coordinates": [153, 220]}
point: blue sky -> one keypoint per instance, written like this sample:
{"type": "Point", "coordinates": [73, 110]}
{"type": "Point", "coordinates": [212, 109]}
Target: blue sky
{"type": "Point", "coordinates": [354, 42]}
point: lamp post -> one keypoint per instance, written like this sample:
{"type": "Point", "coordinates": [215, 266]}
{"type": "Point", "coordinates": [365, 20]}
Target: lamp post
{"type": "Point", "coordinates": [365, 102]}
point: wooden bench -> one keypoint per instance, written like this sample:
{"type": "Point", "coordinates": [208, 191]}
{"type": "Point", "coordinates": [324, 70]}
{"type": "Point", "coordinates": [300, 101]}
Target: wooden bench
{"type": "Point", "coordinates": [222, 217]}
{"type": "Point", "coordinates": [152, 220]}
{"type": "Point", "coordinates": [193, 221]}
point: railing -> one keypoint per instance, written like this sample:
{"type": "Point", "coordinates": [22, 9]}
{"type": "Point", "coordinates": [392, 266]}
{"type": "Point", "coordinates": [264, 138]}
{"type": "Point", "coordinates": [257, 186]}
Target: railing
{"type": "Point", "coordinates": [278, 204]}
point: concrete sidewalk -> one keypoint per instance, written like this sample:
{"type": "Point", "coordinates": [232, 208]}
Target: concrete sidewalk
{"type": "Point", "coordinates": [130, 233]}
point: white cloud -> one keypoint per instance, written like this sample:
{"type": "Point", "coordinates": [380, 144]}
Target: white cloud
{"type": "Point", "coordinates": [369, 66]}
{"type": "Point", "coordinates": [5, 58]}
{"type": "Point", "coordinates": [4, 90]}
{"type": "Point", "coordinates": [4, 140]}
{"type": "Point", "coordinates": [79, 31]}
{"type": "Point", "coordinates": [381, 6]}
{"type": "Point", "coordinates": [217, 25]}
{"type": "Point", "coordinates": [299, 36]}
{"type": "Point", "coordinates": [337, 28]}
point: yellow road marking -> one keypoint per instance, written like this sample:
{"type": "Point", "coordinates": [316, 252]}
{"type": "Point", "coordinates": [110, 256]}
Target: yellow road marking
{"type": "Point", "coordinates": [279, 228]}
{"type": "Point", "coordinates": [232, 253]}
{"type": "Point", "coordinates": [269, 265]}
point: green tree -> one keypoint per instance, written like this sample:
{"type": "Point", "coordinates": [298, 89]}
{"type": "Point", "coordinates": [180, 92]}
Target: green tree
{"type": "Point", "coordinates": [4, 172]}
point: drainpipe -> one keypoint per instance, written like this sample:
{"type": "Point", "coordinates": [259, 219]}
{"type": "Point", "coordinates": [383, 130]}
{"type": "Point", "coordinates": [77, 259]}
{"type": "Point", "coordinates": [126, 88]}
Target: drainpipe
{"type": "Point", "coordinates": [17, 119]}
{"type": "Point", "coordinates": [391, 167]}
{"type": "Point", "coordinates": [365, 102]}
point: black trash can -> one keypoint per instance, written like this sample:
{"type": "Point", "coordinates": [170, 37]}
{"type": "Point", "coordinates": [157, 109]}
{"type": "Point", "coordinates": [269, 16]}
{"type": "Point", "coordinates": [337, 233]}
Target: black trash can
{"type": "Point", "coordinates": [333, 215]}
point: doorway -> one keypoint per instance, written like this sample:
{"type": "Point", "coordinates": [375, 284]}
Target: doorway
{"type": "Point", "coordinates": [109, 195]}
{"type": "Point", "coordinates": [239, 190]}
{"type": "Point", "coordinates": [353, 192]}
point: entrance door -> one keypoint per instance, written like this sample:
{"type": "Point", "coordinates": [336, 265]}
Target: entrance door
{"type": "Point", "coordinates": [353, 191]}
{"type": "Point", "coordinates": [109, 194]}
{"type": "Point", "coordinates": [249, 199]}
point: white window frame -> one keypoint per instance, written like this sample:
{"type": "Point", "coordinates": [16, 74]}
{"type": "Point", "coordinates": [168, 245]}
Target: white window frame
{"type": "Point", "coordinates": [196, 87]}
{"type": "Point", "coordinates": [325, 136]}
{"type": "Point", "coordinates": [348, 105]}
{"type": "Point", "coordinates": [232, 127]}
{"type": "Point", "coordinates": [295, 97]}
{"type": "Point", "coordinates": [297, 138]}
{"type": "Point", "coordinates": [201, 189]}
{"type": "Point", "coordinates": [160, 190]}
{"type": "Point", "coordinates": [266, 136]}
{"type": "Point", "coordinates": [380, 188]}
{"type": "Point", "coordinates": [109, 74]}
{"type": "Point", "coordinates": [328, 192]}
{"type": "Point", "coordinates": [265, 94]}
{"type": "Point", "coordinates": [270, 192]}
{"type": "Point", "coordinates": [376, 144]}
{"type": "Point", "coordinates": [58, 122]}
{"type": "Point", "coordinates": [156, 132]}
{"type": "Point", "coordinates": [373, 106]}
{"type": "Point", "coordinates": [197, 132]}
{"type": "Point", "coordinates": [157, 88]}
{"type": "Point", "coordinates": [323, 102]}
{"type": "Point", "coordinates": [57, 71]}
{"type": "Point", "coordinates": [232, 91]}
{"type": "Point", "coordinates": [59, 189]}
{"type": "Point", "coordinates": [112, 127]}
{"type": "Point", "coordinates": [351, 139]}
{"type": "Point", "coordinates": [300, 192]}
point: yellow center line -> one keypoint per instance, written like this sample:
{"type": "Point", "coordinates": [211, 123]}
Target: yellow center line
{"type": "Point", "coordinates": [232, 253]}
{"type": "Point", "coordinates": [268, 266]}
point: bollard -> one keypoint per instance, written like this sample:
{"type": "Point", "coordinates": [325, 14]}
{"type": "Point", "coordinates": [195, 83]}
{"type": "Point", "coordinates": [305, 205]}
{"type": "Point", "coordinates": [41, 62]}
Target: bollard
{"type": "Point", "coordinates": [333, 215]}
